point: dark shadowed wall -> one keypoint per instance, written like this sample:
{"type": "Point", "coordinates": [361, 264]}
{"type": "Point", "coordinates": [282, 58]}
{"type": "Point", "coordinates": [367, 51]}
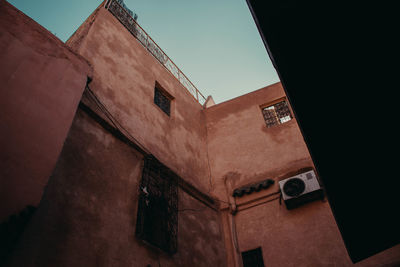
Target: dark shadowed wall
{"type": "Point", "coordinates": [88, 213]}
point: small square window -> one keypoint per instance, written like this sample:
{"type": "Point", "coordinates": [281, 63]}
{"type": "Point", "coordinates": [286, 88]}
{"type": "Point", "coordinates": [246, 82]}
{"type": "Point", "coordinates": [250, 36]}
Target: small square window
{"type": "Point", "coordinates": [162, 99]}
{"type": "Point", "coordinates": [253, 258]}
{"type": "Point", "coordinates": [277, 114]}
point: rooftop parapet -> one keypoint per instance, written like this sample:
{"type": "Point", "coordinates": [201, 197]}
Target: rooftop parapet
{"type": "Point", "coordinates": [124, 16]}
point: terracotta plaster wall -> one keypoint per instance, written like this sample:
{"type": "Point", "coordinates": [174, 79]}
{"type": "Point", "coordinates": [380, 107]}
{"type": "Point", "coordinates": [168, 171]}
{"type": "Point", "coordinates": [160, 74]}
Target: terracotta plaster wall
{"type": "Point", "coordinates": [124, 78]}
{"type": "Point", "coordinates": [243, 150]}
{"type": "Point", "coordinates": [88, 213]}
{"type": "Point", "coordinates": [305, 236]}
{"type": "Point", "coordinates": [41, 84]}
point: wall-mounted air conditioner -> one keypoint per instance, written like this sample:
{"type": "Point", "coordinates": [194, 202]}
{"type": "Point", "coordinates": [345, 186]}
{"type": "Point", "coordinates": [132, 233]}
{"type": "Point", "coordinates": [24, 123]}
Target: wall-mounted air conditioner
{"type": "Point", "coordinates": [300, 189]}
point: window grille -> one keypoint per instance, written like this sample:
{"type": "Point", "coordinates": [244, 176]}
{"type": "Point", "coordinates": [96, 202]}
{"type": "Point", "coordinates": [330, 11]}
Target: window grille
{"type": "Point", "coordinates": [277, 114]}
{"type": "Point", "coordinates": [157, 218]}
{"type": "Point", "coordinates": [253, 258]}
{"type": "Point", "coordinates": [162, 100]}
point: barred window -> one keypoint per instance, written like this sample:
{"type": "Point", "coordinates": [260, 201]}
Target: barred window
{"type": "Point", "coordinates": [277, 114]}
{"type": "Point", "coordinates": [157, 218]}
{"type": "Point", "coordinates": [253, 258]}
{"type": "Point", "coordinates": [162, 99]}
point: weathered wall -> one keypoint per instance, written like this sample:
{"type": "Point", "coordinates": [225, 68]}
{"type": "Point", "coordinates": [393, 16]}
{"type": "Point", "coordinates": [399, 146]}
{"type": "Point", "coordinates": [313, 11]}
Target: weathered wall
{"type": "Point", "coordinates": [76, 39]}
{"type": "Point", "coordinates": [241, 147]}
{"type": "Point", "coordinates": [41, 84]}
{"type": "Point", "coordinates": [243, 150]}
{"type": "Point", "coordinates": [124, 77]}
{"type": "Point", "coordinates": [88, 213]}
{"type": "Point", "coordinates": [305, 236]}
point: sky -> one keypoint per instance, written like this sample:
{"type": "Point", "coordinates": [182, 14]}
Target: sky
{"type": "Point", "coordinates": [215, 43]}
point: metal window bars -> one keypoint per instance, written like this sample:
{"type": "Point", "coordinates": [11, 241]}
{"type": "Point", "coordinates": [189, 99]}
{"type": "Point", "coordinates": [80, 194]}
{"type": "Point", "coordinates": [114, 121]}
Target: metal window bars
{"type": "Point", "coordinates": [157, 217]}
{"type": "Point", "coordinates": [134, 28]}
{"type": "Point", "coordinates": [162, 101]}
{"type": "Point", "coordinates": [277, 114]}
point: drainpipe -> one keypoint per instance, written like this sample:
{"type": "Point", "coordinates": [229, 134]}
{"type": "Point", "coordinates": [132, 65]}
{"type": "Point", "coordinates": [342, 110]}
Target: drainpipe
{"type": "Point", "coordinates": [233, 210]}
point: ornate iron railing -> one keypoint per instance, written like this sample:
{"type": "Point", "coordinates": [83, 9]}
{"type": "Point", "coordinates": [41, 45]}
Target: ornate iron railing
{"type": "Point", "coordinates": [134, 28]}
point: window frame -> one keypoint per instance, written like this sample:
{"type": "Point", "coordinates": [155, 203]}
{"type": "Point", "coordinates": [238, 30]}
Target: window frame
{"type": "Point", "coordinates": [157, 210]}
{"type": "Point", "coordinates": [273, 103]}
{"type": "Point", "coordinates": [164, 93]}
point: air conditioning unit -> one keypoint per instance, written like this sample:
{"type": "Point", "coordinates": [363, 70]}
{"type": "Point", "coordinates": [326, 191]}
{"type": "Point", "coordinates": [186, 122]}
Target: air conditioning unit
{"type": "Point", "coordinates": [300, 189]}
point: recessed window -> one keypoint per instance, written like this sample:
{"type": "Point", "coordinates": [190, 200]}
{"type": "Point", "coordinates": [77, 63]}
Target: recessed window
{"type": "Point", "coordinates": [162, 99]}
{"type": "Point", "coordinates": [253, 258]}
{"type": "Point", "coordinates": [277, 114]}
{"type": "Point", "coordinates": [157, 217]}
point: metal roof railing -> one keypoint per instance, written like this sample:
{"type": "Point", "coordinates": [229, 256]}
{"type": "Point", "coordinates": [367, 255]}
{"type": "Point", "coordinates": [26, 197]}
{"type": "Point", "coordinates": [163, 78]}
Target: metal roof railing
{"type": "Point", "coordinates": [134, 28]}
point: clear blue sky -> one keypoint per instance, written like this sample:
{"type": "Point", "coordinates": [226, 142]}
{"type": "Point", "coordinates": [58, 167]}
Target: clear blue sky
{"type": "Point", "coordinates": [214, 42]}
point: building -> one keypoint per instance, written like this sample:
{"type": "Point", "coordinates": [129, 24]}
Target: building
{"type": "Point", "coordinates": [129, 165]}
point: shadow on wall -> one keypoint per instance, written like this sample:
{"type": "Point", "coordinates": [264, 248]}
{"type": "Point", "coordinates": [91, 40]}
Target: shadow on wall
{"type": "Point", "coordinates": [11, 230]}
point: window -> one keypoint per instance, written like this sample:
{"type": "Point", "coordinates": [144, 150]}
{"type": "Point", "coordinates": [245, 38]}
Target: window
{"type": "Point", "coordinates": [277, 114]}
{"type": "Point", "coordinates": [157, 218]}
{"type": "Point", "coordinates": [162, 99]}
{"type": "Point", "coordinates": [253, 258]}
